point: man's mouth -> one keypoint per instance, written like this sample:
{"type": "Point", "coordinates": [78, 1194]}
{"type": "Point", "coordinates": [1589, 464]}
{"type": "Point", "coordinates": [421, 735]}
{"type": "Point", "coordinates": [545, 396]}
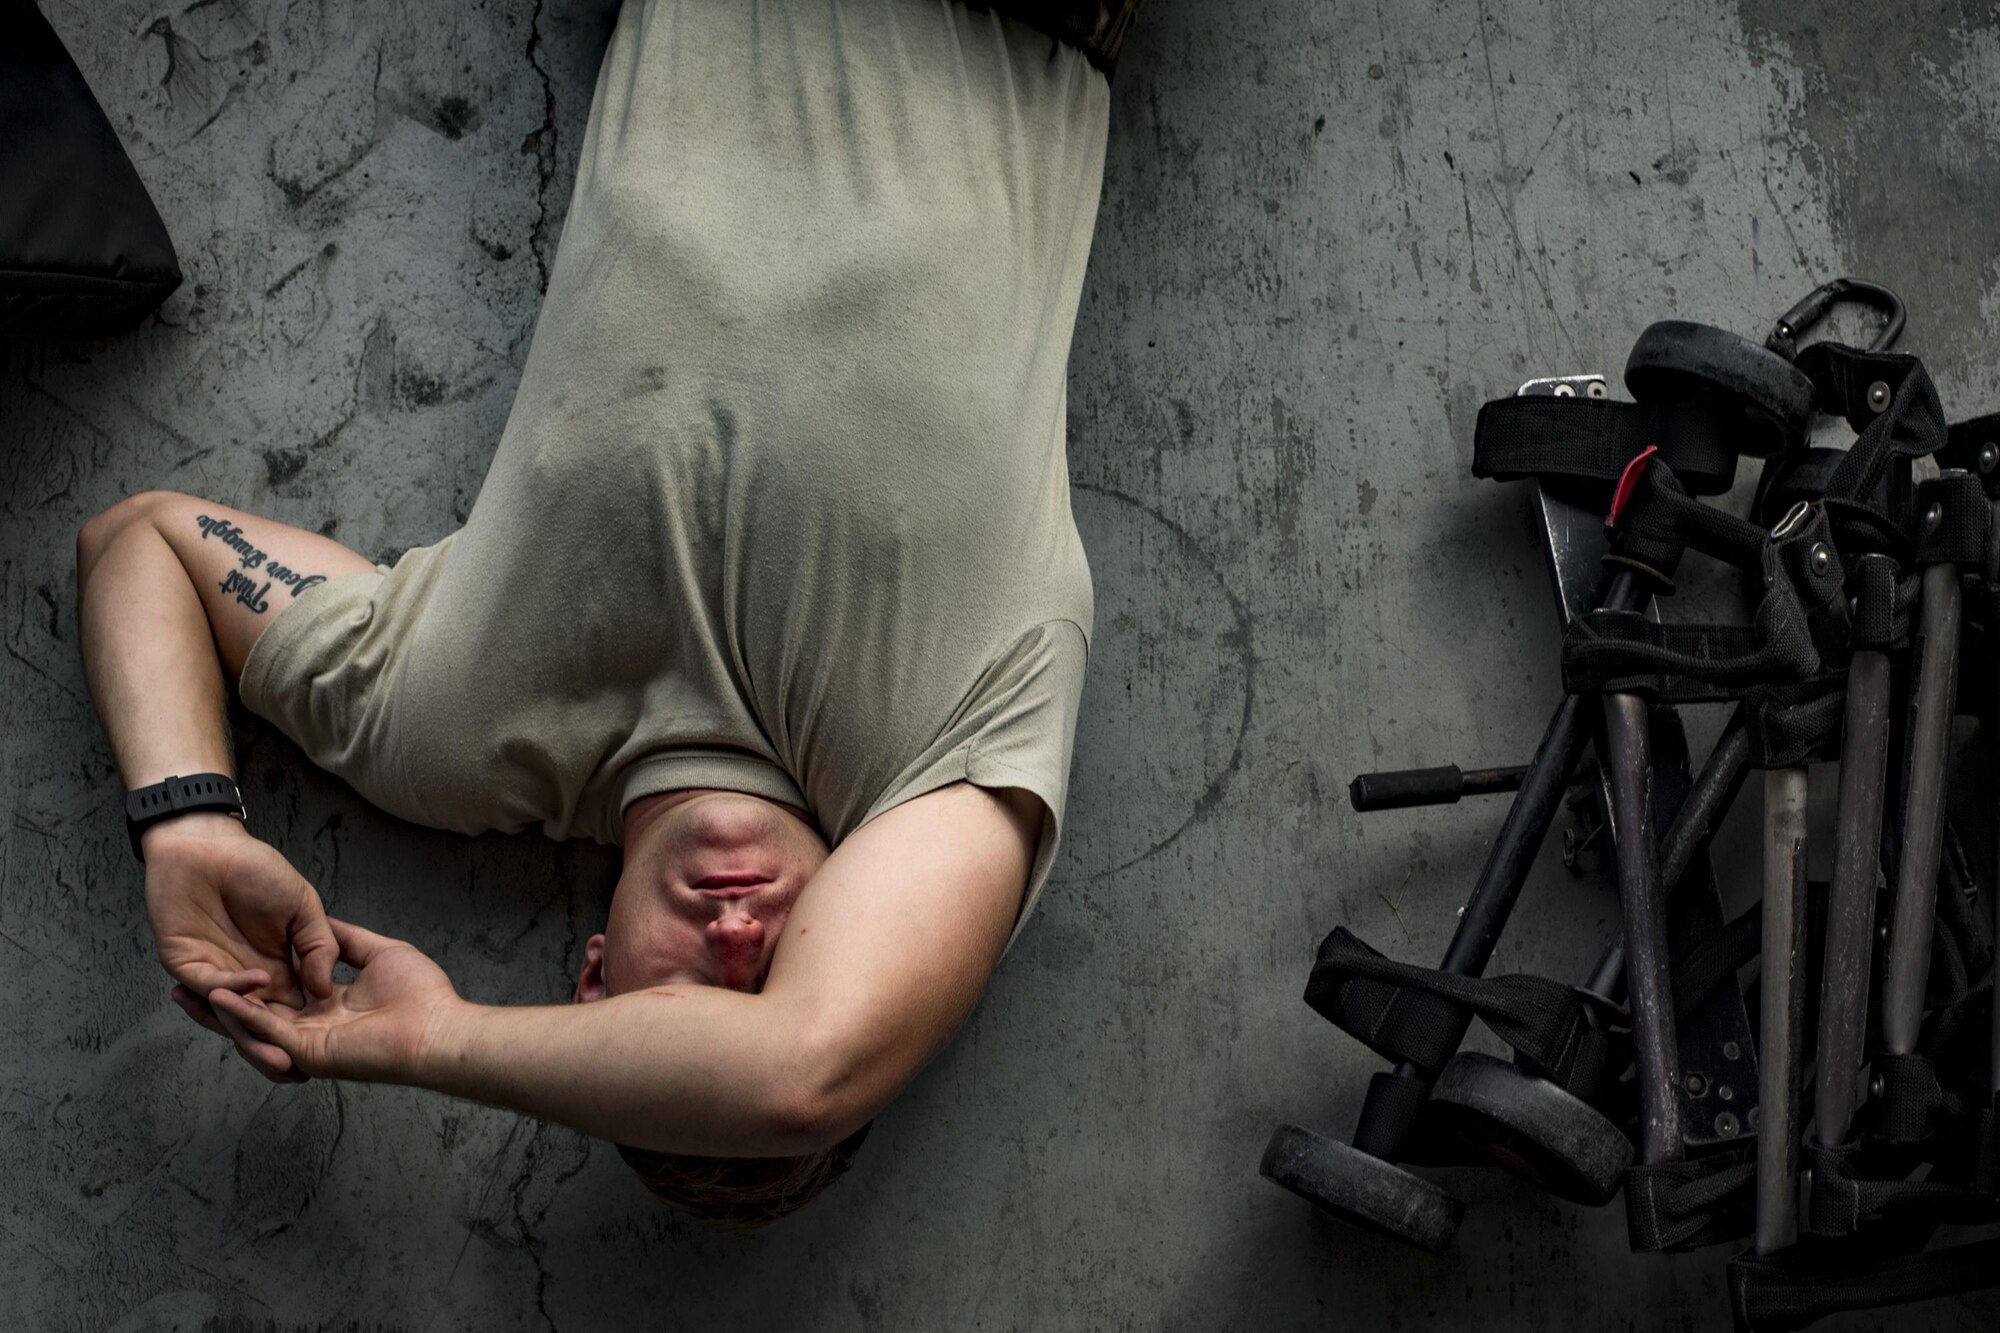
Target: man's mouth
{"type": "Point", "coordinates": [730, 885]}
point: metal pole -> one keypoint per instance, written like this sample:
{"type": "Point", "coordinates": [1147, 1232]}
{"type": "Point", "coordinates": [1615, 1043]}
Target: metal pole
{"type": "Point", "coordinates": [1783, 1013]}
{"type": "Point", "coordinates": [1713, 792]}
{"type": "Point", "coordinates": [1850, 916]}
{"type": "Point", "coordinates": [1649, 983]}
{"type": "Point", "coordinates": [1908, 966]}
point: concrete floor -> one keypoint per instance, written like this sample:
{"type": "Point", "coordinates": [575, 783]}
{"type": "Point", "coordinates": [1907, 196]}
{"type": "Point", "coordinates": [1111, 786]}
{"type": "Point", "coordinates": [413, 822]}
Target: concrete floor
{"type": "Point", "coordinates": [1329, 232]}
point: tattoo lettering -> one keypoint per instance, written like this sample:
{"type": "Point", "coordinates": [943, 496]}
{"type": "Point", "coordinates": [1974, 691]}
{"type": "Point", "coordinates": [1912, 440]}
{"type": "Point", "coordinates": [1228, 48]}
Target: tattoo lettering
{"type": "Point", "coordinates": [246, 591]}
{"type": "Point", "coordinates": [297, 580]}
{"type": "Point", "coordinates": [251, 556]}
{"type": "Point", "coordinates": [248, 555]}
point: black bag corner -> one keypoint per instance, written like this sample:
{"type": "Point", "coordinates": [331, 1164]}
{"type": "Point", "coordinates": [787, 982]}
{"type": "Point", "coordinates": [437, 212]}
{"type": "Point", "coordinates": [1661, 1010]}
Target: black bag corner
{"type": "Point", "coordinates": [83, 252]}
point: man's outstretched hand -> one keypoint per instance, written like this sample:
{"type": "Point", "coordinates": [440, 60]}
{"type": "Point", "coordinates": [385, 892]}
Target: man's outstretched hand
{"type": "Point", "coordinates": [378, 1028]}
{"type": "Point", "coordinates": [229, 912]}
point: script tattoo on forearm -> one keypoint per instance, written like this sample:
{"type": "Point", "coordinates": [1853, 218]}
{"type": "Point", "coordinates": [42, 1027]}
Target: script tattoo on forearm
{"type": "Point", "coordinates": [243, 587]}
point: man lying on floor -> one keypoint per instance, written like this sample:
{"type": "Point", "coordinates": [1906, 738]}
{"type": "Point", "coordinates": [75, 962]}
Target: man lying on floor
{"type": "Point", "coordinates": [775, 555]}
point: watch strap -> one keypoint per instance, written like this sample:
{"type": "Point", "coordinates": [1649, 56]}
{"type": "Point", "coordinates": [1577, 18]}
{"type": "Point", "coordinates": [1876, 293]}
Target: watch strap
{"type": "Point", "coordinates": [179, 796]}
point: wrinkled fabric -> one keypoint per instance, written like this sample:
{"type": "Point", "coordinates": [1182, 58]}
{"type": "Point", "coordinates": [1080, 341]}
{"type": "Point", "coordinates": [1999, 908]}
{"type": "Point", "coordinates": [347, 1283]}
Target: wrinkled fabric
{"type": "Point", "coordinates": [783, 502]}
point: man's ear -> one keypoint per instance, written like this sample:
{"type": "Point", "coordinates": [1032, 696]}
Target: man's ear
{"type": "Point", "coordinates": [590, 981]}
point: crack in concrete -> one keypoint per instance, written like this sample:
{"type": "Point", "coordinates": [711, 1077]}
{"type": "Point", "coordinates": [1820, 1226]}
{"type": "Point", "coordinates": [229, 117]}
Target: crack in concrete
{"type": "Point", "coordinates": [543, 144]}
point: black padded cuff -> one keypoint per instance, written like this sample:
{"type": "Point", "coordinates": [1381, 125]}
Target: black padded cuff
{"type": "Point", "coordinates": [179, 796]}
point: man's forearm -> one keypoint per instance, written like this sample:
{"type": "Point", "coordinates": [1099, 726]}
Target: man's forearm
{"type": "Point", "coordinates": [149, 656]}
{"type": "Point", "coordinates": [683, 1069]}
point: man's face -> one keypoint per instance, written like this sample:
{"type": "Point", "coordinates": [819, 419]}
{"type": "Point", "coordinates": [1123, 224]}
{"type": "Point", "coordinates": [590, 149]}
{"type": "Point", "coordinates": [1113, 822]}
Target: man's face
{"type": "Point", "coordinates": [709, 878]}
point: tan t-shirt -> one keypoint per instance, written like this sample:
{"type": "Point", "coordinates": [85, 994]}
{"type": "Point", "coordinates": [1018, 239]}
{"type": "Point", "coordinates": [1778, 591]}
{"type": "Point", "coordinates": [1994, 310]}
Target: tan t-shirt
{"type": "Point", "coordinates": [783, 503]}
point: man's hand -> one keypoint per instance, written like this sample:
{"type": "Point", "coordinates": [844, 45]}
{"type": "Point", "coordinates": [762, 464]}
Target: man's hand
{"type": "Point", "coordinates": [229, 912]}
{"type": "Point", "coordinates": [378, 1029]}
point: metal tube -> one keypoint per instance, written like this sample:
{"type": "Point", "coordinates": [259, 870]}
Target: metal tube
{"type": "Point", "coordinates": [1506, 870]}
{"type": "Point", "coordinates": [1991, 725]}
{"type": "Point", "coordinates": [1783, 1009]}
{"type": "Point", "coordinates": [1850, 914]}
{"type": "Point", "coordinates": [1649, 982]}
{"type": "Point", "coordinates": [1714, 791]}
{"type": "Point", "coordinates": [1407, 788]}
{"type": "Point", "coordinates": [1693, 829]}
{"type": "Point", "coordinates": [1907, 968]}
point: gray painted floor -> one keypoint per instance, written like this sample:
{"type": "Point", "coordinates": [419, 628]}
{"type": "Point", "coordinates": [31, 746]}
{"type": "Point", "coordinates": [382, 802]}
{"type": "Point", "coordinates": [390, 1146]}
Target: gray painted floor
{"type": "Point", "coordinates": [1329, 231]}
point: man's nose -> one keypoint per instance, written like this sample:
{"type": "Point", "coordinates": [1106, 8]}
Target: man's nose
{"type": "Point", "coordinates": [736, 936]}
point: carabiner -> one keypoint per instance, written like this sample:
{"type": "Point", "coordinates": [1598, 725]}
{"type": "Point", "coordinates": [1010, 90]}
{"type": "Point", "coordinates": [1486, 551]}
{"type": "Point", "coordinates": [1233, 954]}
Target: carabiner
{"type": "Point", "coordinates": [1784, 339]}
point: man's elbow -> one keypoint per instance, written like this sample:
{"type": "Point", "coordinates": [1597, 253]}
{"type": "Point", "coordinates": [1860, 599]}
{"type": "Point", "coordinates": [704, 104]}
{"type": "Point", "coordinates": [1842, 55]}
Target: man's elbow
{"type": "Point", "coordinates": [94, 538]}
{"type": "Point", "coordinates": [832, 1087]}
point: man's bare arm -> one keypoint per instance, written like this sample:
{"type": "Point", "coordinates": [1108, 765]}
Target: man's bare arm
{"type": "Point", "coordinates": [168, 583]}
{"type": "Point", "coordinates": [882, 960]}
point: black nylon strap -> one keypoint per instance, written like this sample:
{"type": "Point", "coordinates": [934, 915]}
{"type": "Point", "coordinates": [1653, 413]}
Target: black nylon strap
{"type": "Point", "coordinates": [1912, 1105]}
{"type": "Point", "coordinates": [1593, 439]}
{"type": "Point", "coordinates": [1843, 1200]}
{"type": "Point", "coordinates": [1717, 959]}
{"type": "Point", "coordinates": [1687, 1204]}
{"type": "Point", "coordinates": [1881, 618]}
{"type": "Point", "coordinates": [1953, 518]}
{"type": "Point", "coordinates": [1790, 1290]}
{"type": "Point", "coordinates": [1802, 617]}
{"type": "Point", "coordinates": [1660, 519]}
{"type": "Point", "coordinates": [1403, 1012]}
{"type": "Point", "coordinates": [1797, 723]}
{"type": "Point", "coordinates": [1911, 424]}
{"type": "Point", "coordinates": [1966, 440]}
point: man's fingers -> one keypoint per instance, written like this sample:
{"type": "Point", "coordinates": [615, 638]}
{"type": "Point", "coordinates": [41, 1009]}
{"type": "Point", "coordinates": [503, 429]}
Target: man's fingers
{"type": "Point", "coordinates": [314, 943]}
{"type": "Point", "coordinates": [201, 978]}
{"type": "Point", "coordinates": [254, 1029]}
{"type": "Point", "coordinates": [196, 1008]}
{"type": "Point", "coordinates": [358, 945]}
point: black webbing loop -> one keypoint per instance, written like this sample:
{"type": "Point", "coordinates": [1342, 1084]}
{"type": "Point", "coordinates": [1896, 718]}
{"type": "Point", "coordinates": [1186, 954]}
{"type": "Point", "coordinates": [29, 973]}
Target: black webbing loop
{"type": "Point", "coordinates": [1913, 1104]}
{"type": "Point", "coordinates": [1592, 439]}
{"type": "Point", "coordinates": [1910, 424]}
{"type": "Point", "coordinates": [1802, 617]}
{"type": "Point", "coordinates": [1404, 1012]}
{"type": "Point", "coordinates": [1966, 446]}
{"type": "Point", "coordinates": [1953, 516]}
{"type": "Point", "coordinates": [1797, 723]}
{"type": "Point", "coordinates": [1881, 619]}
{"type": "Point", "coordinates": [1690, 1203]}
{"type": "Point", "coordinates": [1660, 518]}
{"type": "Point", "coordinates": [1778, 1293]}
{"type": "Point", "coordinates": [1860, 526]}
{"type": "Point", "coordinates": [1843, 1200]}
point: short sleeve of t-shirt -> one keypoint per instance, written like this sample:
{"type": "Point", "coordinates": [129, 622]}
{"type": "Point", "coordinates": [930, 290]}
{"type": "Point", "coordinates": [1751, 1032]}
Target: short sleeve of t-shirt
{"type": "Point", "coordinates": [325, 672]}
{"type": "Point", "coordinates": [1015, 729]}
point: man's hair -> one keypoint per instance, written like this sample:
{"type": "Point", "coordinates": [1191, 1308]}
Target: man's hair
{"type": "Point", "coordinates": [741, 1193]}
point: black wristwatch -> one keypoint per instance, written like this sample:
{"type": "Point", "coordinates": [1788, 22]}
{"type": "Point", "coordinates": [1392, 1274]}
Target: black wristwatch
{"type": "Point", "coordinates": [179, 796]}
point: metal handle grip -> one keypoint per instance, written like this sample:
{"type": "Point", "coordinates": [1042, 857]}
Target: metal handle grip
{"type": "Point", "coordinates": [1409, 787]}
